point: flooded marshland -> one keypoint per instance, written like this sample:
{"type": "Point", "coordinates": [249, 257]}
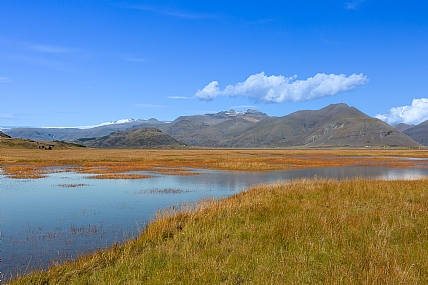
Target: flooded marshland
{"type": "Point", "coordinates": [65, 214]}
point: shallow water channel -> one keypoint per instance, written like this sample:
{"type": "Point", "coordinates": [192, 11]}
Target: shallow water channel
{"type": "Point", "coordinates": [66, 214]}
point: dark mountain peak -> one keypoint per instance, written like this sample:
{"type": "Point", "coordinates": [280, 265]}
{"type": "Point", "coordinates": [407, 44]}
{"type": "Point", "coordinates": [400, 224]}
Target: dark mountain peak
{"type": "Point", "coordinates": [419, 133]}
{"type": "Point", "coordinates": [153, 120]}
{"type": "Point", "coordinates": [402, 127]}
{"type": "Point", "coordinates": [328, 113]}
{"type": "Point", "coordinates": [3, 135]}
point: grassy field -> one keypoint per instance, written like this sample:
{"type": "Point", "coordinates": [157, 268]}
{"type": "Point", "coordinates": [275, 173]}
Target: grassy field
{"type": "Point", "coordinates": [111, 163]}
{"type": "Point", "coordinates": [303, 232]}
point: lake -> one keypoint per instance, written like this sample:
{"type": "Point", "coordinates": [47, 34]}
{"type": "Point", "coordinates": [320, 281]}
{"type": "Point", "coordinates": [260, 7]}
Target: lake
{"type": "Point", "coordinates": [66, 214]}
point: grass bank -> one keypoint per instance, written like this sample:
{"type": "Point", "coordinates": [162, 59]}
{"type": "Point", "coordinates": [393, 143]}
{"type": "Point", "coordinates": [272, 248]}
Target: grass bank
{"type": "Point", "coordinates": [305, 232]}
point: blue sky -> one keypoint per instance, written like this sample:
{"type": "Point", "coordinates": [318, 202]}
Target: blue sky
{"type": "Point", "coordinates": [75, 63]}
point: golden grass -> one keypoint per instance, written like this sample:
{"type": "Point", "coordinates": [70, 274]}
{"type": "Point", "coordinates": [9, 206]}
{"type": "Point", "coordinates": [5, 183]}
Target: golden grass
{"type": "Point", "coordinates": [121, 176]}
{"type": "Point", "coordinates": [306, 232]}
{"type": "Point", "coordinates": [23, 163]}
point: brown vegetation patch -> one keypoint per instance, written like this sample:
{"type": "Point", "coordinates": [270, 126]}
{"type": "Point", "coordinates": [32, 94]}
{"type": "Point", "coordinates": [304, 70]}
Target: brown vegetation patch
{"type": "Point", "coordinates": [25, 171]}
{"type": "Point", "coordinates": [121, 176]}
{"type": "Point", "coordinates": [33, 163]}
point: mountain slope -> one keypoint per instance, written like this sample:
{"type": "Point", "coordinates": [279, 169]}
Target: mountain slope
{"type": "Point", "coordinates": [134, 138]}
{"type": "Point", "coordinates": [334, 125]}
{"type": "Point", "coordinates": [419, 133]}
{"type": "Point", "coordinates": [209, 129]}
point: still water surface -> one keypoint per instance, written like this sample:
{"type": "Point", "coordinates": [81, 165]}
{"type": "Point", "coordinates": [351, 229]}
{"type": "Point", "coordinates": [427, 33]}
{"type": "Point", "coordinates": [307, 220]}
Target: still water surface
{"type": "Point", "coordinates": [66, 214]}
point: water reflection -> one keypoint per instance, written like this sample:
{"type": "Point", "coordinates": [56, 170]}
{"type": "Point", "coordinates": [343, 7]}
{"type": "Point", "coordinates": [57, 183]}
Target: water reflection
{"type": "Point", "coordinates": [66, 214]}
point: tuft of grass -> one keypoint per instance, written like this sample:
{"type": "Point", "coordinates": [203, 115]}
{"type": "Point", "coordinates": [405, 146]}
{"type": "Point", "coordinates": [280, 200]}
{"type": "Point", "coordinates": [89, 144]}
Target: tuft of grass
{"type": "Point", "coordinates": [308, 231]}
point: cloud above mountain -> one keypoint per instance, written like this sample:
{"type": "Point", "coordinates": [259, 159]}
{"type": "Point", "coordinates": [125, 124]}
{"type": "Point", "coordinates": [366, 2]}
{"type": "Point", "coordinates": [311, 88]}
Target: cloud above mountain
{"type": "Point", "coordinates": [412, 115]}
{"type": "Point", "coordinates": [278, 89]}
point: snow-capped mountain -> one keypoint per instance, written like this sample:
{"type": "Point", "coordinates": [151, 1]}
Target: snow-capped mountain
{"type": "Point", "coordinates": [74, 133]}
{"type": "Point", "coordinates": [121, 121]}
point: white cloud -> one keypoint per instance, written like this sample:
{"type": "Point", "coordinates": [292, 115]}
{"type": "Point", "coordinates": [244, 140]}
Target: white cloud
{"type": "Point", "coordinates": [278, 89]}
{"type": "Point", "coordinates": [414, 114]}
{"type": "Point", "coordinates": [5, 79]}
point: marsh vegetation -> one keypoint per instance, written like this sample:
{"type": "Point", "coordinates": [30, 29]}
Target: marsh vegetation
{"type": "Point", "coordinates": [111, 163]}
{"type": "Point", "coordinates": [305, 231]}
{"type": "Point", "coordinates": [302, 232]}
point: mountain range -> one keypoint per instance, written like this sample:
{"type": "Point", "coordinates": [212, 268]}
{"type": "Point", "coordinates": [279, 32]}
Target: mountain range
{"type": "Point", "coordinates": [73, 134]}
{"type": "Point", "coordinates": [336, 125]}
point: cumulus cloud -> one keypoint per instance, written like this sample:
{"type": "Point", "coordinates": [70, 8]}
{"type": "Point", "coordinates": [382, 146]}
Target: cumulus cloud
{"type": "Point", "coordinates": [412, 115]}
{"type": "Point", "coordinates": [278, 89]}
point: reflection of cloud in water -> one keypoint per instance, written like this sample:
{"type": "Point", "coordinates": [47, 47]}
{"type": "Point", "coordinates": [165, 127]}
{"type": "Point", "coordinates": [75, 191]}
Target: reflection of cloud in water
{"type": "Point", "coordinates": [405, 174]}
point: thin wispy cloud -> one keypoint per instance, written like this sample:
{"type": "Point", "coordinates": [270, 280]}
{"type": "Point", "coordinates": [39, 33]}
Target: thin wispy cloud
{"type": "Point", "coordinates": [263, 21]}
{"type": "Point", "coordinates": [354, 5]}
{"type": "Point", "coordinates": [52, 49]}
{"type": "Point", "coordinates": [412, 115]}
{"type": "Point", "coordinates": [7, 116]}
{"type": "Point", "coordinates": [174, 12]}
{"type": "Point", "coordinates": [279, 89]}
{"type": "Point", "coordinates": [179, 97]}
{"type": "Point", "coordinates": [37, 60]}
{"type": "Point", "coordinates": [244, 107]}
{"type": "Point", "coordinates": [135, 59]}
{"type": "Point", "coordinates": [5, 79]}
{"type": "Point", "coordinates": [150, 106]}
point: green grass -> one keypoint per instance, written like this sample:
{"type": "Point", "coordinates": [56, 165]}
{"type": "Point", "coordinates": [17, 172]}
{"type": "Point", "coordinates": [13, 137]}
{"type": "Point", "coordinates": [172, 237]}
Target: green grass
{"type": "Point", "coordinates": [305, 232]}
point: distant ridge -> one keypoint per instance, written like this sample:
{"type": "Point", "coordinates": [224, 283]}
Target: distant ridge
{"type": "Point", "coordinates": [419, 133]}
{"type": "Point", "coordinates": [402, 127]}
{"type": "Point", "coordinates": [134, 138]}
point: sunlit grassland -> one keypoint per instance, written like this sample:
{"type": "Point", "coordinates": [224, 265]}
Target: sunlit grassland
{"type": "Point", "coordinates": [35, 163]}
{"type": "Point", "coordinates": [302, 232]}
